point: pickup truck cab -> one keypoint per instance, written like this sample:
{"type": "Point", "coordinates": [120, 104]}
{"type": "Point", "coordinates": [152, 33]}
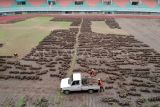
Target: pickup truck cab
{"type": "Point", "coordinates": [77, 83]}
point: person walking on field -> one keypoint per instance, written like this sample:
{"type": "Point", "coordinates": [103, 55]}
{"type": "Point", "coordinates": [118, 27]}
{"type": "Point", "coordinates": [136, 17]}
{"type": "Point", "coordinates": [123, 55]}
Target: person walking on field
{"type": "Point", "coordinates": [101, 84]}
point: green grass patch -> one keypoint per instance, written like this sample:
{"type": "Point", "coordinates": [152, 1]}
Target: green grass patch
{"type": "Point", "coordinates": [21, 102]}
{"type": "Point", "coordinates": [21, 37]}
{"type": "Point", "coordinates": [151, 104]}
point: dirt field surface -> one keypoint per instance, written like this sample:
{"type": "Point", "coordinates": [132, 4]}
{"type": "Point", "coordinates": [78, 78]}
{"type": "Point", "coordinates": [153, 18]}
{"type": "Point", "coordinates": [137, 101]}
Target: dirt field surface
{"type": "Point", "coordinates": [129, 66]}
{"type": "Point", "coordinates": [102, 27]}
{"type": "Point", "coordinates": [146, 31]}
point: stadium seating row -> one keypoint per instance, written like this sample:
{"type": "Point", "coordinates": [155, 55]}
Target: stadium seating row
{"type": "Point", "coordinates": [80, 5]}
{"type": "Point", "coordinates": [121, 3]}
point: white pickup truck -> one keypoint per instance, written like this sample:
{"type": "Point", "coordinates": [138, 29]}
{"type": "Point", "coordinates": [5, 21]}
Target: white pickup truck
{"type": "Point", "coordinates": [77, 83]}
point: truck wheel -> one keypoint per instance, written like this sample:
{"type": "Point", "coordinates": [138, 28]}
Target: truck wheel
{"type": "Point", "coordinates": [90, 91]}
{"type": "Point", "coordinates": [66, 92]}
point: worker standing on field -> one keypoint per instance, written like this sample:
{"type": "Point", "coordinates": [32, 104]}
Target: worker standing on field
{"type": "Point", "coordinates": [100, 83]}
{"type": "Point", "coordinates": [92, 73]}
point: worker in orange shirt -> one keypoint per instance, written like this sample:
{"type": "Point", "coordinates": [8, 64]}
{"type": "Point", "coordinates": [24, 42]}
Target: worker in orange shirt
{"type": "Point", "coordinates": [101, 84]}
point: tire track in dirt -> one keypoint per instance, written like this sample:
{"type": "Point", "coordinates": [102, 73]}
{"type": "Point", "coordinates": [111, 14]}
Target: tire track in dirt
{"type": "Point", "coordinates": [59, 97]}
{"type": "Point", "coordinates": [74, 57]}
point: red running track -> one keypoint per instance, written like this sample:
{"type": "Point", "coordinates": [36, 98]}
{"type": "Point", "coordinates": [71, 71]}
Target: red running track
{"type": "Point", "coordinates": [8, 19]}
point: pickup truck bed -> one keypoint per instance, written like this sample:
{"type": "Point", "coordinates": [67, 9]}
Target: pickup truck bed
{"type": "Point", "coordinates": [89, 81]}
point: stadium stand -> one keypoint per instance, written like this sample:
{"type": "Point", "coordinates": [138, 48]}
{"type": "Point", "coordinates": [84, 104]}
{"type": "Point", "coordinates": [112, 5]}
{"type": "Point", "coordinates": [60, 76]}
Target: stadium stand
{"type": "Point", "coordinates": [64, 3]}
{"type": "Point", "coordinates": [150, 3]}
{"type": "Point", "coordinates": [93, 2]}
{"type": "Point", "coordinates": [108, 2]}
{"type": "Point", "coordinates": [21, 2]}
{"type": "Point", "coordinates": [79, 2]}
{"type": "Point", "coordinates": [135, 2]}
{"type": "Point", "coordinates": [51, 2]}
{"type": "Point", "coordinates": [68, 6]}
{"type": "Point", "coordinates": [6, 3]}
{"type": "Point", "coordinates": [158, 2]}
{"type": "Point", "coordinates": [36, 2]}
{"type": "Point", "coordinates": [121, 3]}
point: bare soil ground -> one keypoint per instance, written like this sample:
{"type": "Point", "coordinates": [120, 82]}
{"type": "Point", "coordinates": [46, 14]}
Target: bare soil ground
{"type": "Point", "coordinates": [128, 65]}
{"type": "Point", "coordinates": [145, 30]}
{"type": "Point", "coordinates": [101, 27]}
